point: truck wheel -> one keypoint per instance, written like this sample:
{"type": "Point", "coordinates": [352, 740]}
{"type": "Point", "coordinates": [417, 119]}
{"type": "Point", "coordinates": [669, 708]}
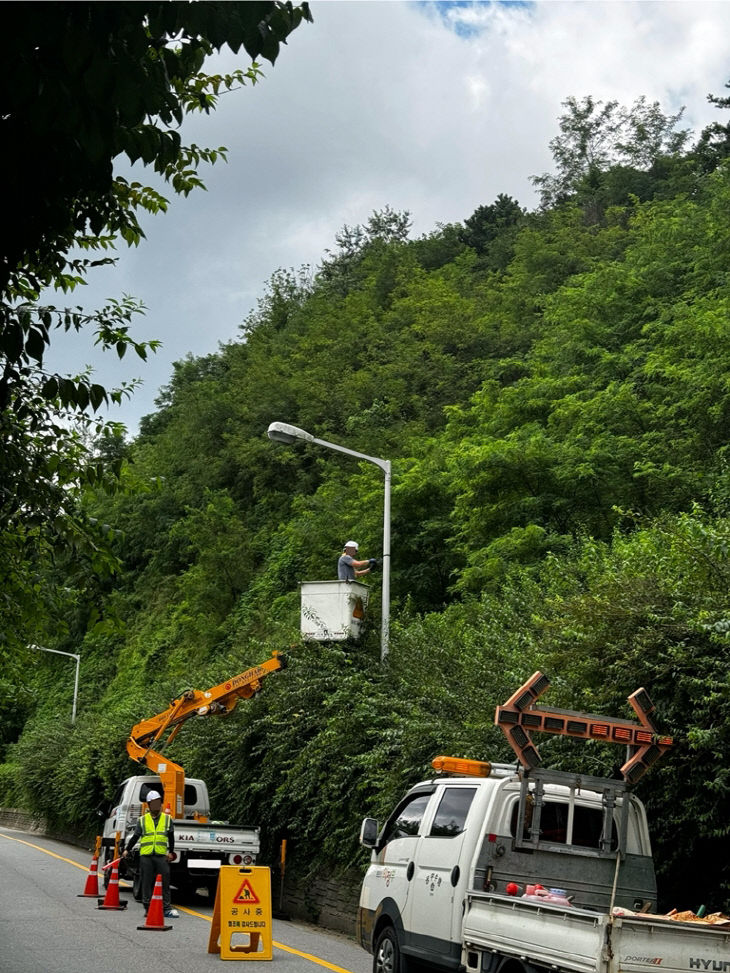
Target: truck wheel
{"type": "Point", "coordinates": [387, 958]}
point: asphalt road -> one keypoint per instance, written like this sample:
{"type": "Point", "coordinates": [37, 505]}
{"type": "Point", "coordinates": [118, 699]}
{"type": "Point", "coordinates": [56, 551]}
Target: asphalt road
{"type": "Point", "coordinates": [45, 927]}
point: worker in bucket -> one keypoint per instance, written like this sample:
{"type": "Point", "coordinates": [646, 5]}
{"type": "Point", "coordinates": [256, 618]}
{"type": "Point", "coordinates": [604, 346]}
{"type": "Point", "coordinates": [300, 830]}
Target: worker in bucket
{"type": "Point", "coordinates": [156, 837]}
{"type": "Point", "coordinates": [348, 568]}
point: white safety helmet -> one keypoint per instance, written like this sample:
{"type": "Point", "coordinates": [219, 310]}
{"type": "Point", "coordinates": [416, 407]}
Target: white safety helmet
{"type": "Point", "coordinates": [351, 544]}
{"type": "Point", "coordinates": [153, 796]}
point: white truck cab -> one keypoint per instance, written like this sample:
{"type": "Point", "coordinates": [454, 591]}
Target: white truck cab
{"type": "Point", "coordinates": [452, 836]}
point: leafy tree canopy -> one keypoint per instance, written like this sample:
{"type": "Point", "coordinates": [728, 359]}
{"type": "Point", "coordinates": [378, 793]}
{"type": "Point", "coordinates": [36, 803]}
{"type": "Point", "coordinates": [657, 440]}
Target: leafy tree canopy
{"type": "Point", "coordinates": [84, 84]}
{"type": "Point", "coordinates": [596, 137]}
{"type": "Point", "coordinates": [713, 146]}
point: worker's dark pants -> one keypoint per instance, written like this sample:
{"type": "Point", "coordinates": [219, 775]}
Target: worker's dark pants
{"type": "Point", "coordinates": [150, 867]}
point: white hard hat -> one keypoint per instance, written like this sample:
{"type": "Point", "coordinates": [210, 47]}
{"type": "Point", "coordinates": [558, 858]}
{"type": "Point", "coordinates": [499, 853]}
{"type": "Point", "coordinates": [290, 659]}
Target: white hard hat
{"type": "Point", "coordinates": [351, 544]}
{"type": "Point", "coordinates": [153, 796]}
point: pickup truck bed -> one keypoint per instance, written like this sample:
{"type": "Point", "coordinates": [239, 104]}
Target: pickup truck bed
{"type": "Point", "coordinates": [583, 941]}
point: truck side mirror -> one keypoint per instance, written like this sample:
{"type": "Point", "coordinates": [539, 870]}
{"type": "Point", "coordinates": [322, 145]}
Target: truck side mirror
{"type": "Point", "coordinates": [369, 833]}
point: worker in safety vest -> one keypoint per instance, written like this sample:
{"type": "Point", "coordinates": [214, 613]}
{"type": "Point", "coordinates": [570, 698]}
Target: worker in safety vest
{"type": "Point", "coordinates": [156, 837]}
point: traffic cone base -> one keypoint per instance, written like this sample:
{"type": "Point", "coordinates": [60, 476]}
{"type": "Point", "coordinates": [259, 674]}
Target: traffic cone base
{"type": "Point", "coordinates": [111, 899]}
{"type": "Point", "coordinates": [91, 889]}
{"type": "Point", "coordinates": [155, 921]}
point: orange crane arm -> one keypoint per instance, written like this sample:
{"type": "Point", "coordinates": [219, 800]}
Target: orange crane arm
{"type": "Point", "coordinates": [145, 743]}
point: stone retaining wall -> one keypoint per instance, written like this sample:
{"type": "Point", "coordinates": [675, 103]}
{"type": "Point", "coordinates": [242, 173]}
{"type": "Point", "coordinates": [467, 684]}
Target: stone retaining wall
{"type": "Point", "coordinates": [325, 901]}
{"type": "Point", "coordinates": [35, 824]}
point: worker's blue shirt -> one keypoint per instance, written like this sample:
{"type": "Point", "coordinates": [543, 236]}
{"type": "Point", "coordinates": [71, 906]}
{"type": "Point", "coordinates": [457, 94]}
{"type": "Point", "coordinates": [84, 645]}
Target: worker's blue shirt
{"type": "Point", "coordinates": [345, 570]}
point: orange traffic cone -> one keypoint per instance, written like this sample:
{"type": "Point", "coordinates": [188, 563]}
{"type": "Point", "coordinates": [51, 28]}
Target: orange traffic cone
{"type": "Point", "coordinates": [111, 899]}
{"type": "Point", "coordinates": [155, 916]}
{"type": "Point", "coordinates": [91, 889]}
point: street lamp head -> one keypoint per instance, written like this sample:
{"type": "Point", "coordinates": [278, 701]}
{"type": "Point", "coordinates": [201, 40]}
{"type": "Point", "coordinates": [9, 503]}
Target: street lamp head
{"type": "Point", "coordinates": [282, 432]}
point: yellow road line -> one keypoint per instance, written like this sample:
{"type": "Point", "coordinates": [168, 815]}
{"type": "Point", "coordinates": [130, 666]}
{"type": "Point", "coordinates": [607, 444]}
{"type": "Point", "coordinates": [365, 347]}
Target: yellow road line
{"type": "Point", "coordinates": [312, 959]}
{"type": "Point", "coordinates": [44, 850]}
{"type": "Point", "coordinates": [190, 912]}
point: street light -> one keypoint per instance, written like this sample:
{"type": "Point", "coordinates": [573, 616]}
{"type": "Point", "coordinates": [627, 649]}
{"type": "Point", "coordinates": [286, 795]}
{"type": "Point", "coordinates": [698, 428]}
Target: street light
{"type": "Point", "coordinates": [282, 432]}
{"type": "Point", "coordinates": [71, 655]}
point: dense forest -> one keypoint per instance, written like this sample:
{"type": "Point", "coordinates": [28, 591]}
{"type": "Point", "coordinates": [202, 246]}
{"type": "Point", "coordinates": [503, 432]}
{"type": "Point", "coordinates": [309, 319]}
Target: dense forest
{"type": "Point", "coordinates": [553, 390]}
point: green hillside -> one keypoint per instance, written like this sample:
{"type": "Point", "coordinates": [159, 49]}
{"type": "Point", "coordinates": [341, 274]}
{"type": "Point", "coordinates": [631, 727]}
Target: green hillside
{"type": "Point", "coordinates": [553, 390]}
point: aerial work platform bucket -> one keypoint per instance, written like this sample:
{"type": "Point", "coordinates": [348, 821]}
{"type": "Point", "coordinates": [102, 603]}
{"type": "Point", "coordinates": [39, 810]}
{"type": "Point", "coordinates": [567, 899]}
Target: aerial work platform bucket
{"type": "Point", "coordinates": [333, 611]}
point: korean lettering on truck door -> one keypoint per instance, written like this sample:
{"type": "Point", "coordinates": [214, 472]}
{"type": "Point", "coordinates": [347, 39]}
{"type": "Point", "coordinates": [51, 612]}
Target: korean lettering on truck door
{"type": "Point", "coordinates": [394, 868]}
{"type": "Point", "coordinates": [438, 875]}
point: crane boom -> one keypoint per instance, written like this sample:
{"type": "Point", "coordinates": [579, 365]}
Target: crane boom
{"type": "Point", "coordinates": [149, 737]}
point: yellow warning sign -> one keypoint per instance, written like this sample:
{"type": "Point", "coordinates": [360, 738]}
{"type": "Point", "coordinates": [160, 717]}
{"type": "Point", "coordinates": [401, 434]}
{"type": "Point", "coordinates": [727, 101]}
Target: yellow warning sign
{"type": "Point", "coordinates": [241, 927]}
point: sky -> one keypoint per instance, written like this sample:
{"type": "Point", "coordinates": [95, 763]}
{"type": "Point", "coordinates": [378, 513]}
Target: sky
{"type": "Point", "coordinates": [433, 108]}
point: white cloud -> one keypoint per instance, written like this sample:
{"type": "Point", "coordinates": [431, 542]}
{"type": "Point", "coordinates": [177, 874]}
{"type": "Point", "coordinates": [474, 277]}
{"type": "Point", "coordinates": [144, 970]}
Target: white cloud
{"type": "Point", "coordinates": [389, 103]}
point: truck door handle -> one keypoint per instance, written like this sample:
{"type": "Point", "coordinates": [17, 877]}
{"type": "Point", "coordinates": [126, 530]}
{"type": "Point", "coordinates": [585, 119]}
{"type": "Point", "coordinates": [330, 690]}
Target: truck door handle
{"type": "Point", "coordinates": [455, 873]}
{"type": "Point", "coordinates": [410, 870]}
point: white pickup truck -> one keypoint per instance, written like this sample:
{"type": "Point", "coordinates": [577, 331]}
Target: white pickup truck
{"type": "Point", "coordinates": [452, 864]}
{"type": "Point", "coordinates": [201, 846]}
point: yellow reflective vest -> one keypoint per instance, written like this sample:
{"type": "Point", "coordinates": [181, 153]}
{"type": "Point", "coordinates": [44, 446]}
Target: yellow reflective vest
{"type": "Point", "coordinates": [154, 837]}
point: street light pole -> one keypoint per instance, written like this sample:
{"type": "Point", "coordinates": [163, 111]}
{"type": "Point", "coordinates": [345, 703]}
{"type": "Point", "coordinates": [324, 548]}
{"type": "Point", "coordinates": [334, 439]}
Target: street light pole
{"type": "Point", "coordinates": [385, 589]}
{"type": "Point", "coordinates": [282, 432]}
{"type": "Point", "coordinates": [71, 655]}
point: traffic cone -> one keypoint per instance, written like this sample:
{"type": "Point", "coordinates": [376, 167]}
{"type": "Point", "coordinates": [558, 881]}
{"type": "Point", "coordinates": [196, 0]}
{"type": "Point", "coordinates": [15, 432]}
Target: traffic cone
{"type": "Point", "coordinates": [91, 889]}
{"type": "Point", "coordinates": [111, 899]}
{"type": "Point", "coordinates": [155, 920]}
